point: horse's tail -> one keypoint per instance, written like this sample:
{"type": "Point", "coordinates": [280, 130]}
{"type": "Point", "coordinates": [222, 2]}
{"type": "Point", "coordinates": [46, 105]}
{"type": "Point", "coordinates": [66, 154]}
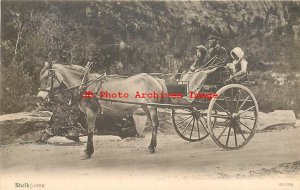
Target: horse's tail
{"type": "Point", "coordinates": [162, 82]}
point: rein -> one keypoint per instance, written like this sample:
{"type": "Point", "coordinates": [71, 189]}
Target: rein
{"type": "Point", "coordinates": [84, 84]}
{"type": "Point", "coordinates": [208, 65]}
{"type": "Point", "coordinates": [81, 87]}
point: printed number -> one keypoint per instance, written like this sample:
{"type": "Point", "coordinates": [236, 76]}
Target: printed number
{"type": "Point", "coordinates": [286, 184]}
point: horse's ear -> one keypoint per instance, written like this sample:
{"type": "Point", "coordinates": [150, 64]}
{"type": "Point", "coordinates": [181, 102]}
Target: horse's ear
{"type": "Point", "coordinates": [48, 65]}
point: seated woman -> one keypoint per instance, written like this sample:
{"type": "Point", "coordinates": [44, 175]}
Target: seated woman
{"type": "Point", "coordinates": [194, 75]}
{"type": "Point", "coordinates": [201, 52]}
{"type": "Point", "coordinates": [238, 67]}
{"type": "Point", "coordinates": [200, 56]}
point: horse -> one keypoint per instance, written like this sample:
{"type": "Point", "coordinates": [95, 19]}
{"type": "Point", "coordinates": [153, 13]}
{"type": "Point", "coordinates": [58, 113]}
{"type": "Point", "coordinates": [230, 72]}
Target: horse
{"type": "Point", "coordinates": [55, 78]}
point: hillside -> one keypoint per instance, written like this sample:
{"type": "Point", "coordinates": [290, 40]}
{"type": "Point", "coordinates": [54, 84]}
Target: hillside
{"type": "Point", "coordinates": [145, 36]}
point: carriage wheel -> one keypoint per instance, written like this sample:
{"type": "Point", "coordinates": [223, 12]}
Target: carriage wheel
{"type": "Point", "coordinates": [235, 123]}
{"type": "Point", "coordinates": [190, 124]}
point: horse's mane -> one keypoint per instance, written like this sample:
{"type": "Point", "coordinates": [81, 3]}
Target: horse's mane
{"type": "Point", "coordinates": [73, 67]}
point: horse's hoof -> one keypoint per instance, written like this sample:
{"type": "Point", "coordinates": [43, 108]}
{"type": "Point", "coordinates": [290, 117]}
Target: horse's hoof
{"type": "Point", "coordinates": [86, 156]}
{"type": "Point", "coordinates": [43, 139]}
{"type": "Point", "coordinates": [151, 149]}
{"type": "Point", "coordinates": [74, 138]}
{"type": "Point", "coordinates": [140, 135]}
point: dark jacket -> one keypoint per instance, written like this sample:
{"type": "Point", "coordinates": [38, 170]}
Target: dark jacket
{"type": "Point", "coordinates": [199, 62]}
{"type": "Point", "coordinates": [221, 54]}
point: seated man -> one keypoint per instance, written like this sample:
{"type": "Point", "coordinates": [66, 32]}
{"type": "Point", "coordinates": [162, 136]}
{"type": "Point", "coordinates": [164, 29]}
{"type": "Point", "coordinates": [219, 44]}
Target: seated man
{"type": "Point", "coordinates": [238, 67]}
{"type": "Point", "coordinates": [216, 54]}
{"type": "Point", "coordinates": [216, 57]}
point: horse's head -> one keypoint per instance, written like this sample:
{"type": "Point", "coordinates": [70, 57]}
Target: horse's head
{"type": "Point", "coordinates": [51, 82]}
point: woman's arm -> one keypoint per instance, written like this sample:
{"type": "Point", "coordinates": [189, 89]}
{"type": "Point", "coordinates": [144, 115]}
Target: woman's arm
{"type": "Point", "coordinates": [243, 70]}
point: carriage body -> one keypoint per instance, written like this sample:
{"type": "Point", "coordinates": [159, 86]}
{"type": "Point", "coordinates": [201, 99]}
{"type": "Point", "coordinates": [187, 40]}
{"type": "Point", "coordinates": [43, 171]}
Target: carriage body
{"type": "Point", "coordinates": [230, 118]}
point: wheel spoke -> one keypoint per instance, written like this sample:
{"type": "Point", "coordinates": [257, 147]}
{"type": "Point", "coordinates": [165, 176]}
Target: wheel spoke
{"type": "Point", "coordinates": [187, 126]}
{"type": "Point", "coordinates": [204, 125]}
{"type": "Point", "coordinates": [238, 100]}
{"type": "Point", "coordinates": [245, 117]}
{"type": "Point", "coordinates": [239, 128]}
{"type": "Point", "coordinates": [198, 129]}
{"type": "Point", "coordinates": [221, 116]}
{"type": "Point", "coordinates": [245, 126]}
{"type": "Point", "coordinates": [225, 121]}
{"type": "Point", "coordinates": [183, 120]}
{"type": "Point", "coordinates": [184, 113]}
{"type": "Point", "coordinates": [246, 110]}
{"type": "Point", "coordinates": [203, 118]}
{"type": "Point", "coordinates": [222, 108]}
{"type": "Point", "coordinates": [192, 128]}
{"type": "Point", "coordinates": [243, 103]}
{"type": "Point", "coordinates": [222, 132]}
{"type": "Point", "coordinates": [228, 136]}
{"type": "Point", "coordinates": [235, 139]}
{"type": "Point", "coordinates": [226, 102]}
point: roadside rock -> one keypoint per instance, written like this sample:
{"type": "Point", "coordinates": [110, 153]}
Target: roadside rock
{"type": "Point", "coordinates": [140, 121]}
{"type": "Point", "coordinates": [59, 140]}
{"type": "Point", "coordinates": [278, 118]}
{"type": "Point", "coordinates": [13, 126]}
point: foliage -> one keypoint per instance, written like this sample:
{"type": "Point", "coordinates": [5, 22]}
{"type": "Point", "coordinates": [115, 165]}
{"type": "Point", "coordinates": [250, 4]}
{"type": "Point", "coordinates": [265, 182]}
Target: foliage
{"type": "Point", "coordinates": [272, 96]}
{"type": "Point", "coordinates": [145, 36]}
{"type": "Point", "coordinates": [16, 86]}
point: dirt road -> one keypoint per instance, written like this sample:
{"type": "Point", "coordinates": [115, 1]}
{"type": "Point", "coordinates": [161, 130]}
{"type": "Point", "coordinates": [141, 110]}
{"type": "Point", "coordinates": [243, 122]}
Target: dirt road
{"type": "Point", "coordinates": [177, 164]}
{"type": "Point", "coordinates": [174, 156]}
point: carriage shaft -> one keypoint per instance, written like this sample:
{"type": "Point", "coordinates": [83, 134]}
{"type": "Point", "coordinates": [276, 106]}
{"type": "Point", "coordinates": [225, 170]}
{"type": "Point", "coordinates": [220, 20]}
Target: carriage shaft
{"type": "Point", "coordinates": [160, 105]}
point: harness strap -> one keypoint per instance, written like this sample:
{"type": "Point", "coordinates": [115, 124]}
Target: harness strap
{"type": "Point", "coordinates": [82, 88]}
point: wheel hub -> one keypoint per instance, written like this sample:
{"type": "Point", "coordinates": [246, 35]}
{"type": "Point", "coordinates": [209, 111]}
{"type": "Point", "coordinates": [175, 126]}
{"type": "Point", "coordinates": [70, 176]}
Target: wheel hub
{"type": "Point", "coordinates": [235, 116]}
{"type": "Point", "coordinates": [196, 114]}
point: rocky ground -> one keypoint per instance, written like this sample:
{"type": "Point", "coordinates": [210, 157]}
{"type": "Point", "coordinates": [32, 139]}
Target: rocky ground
{"type": "Point", "coordinates": [272, 154]}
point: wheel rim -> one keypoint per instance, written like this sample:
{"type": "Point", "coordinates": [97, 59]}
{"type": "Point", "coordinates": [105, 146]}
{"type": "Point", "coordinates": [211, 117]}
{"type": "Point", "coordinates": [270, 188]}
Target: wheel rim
{"type": "Point", "coordinates": [190, 124]}
{"type": "Point", "coordinates": [236, 121]}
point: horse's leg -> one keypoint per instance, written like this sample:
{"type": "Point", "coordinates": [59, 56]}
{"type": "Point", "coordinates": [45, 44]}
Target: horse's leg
{"type": "Point", "coordinates": [152, 116]}
{"type": "Point", "coordinates": [91, 115]}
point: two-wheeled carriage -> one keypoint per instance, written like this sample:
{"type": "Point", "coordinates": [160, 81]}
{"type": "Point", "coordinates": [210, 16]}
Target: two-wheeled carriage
{"type": "Point", "coordinates": [230, 118]}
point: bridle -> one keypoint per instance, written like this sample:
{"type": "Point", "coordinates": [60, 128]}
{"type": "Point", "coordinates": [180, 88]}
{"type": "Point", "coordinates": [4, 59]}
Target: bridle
{"type": "Point", "coordinates": [63, 87]}
{"type": "Point", "coordinates": [53, 77]}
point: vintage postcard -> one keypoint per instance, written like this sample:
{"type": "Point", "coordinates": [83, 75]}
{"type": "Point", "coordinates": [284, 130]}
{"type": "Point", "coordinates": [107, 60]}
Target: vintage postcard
{"type": "Point", "coordinates": [150, 95]}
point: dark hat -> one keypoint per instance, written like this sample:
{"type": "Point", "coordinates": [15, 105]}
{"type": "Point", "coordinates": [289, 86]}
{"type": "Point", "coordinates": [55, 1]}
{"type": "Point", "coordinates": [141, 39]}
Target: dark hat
{"type": "Point", "coordinates": [214, 35]}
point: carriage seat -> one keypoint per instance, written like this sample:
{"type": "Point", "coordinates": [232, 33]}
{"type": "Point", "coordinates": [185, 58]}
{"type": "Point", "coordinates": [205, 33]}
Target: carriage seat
{"type": "Point", "coordinates": [178, 87]}
{"type": "Point", "coordinates": [246, 79]}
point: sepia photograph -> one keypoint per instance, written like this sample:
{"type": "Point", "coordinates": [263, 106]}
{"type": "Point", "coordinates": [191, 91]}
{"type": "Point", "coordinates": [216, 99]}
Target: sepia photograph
{"type": "Point", "coordinates": [173, 94]}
